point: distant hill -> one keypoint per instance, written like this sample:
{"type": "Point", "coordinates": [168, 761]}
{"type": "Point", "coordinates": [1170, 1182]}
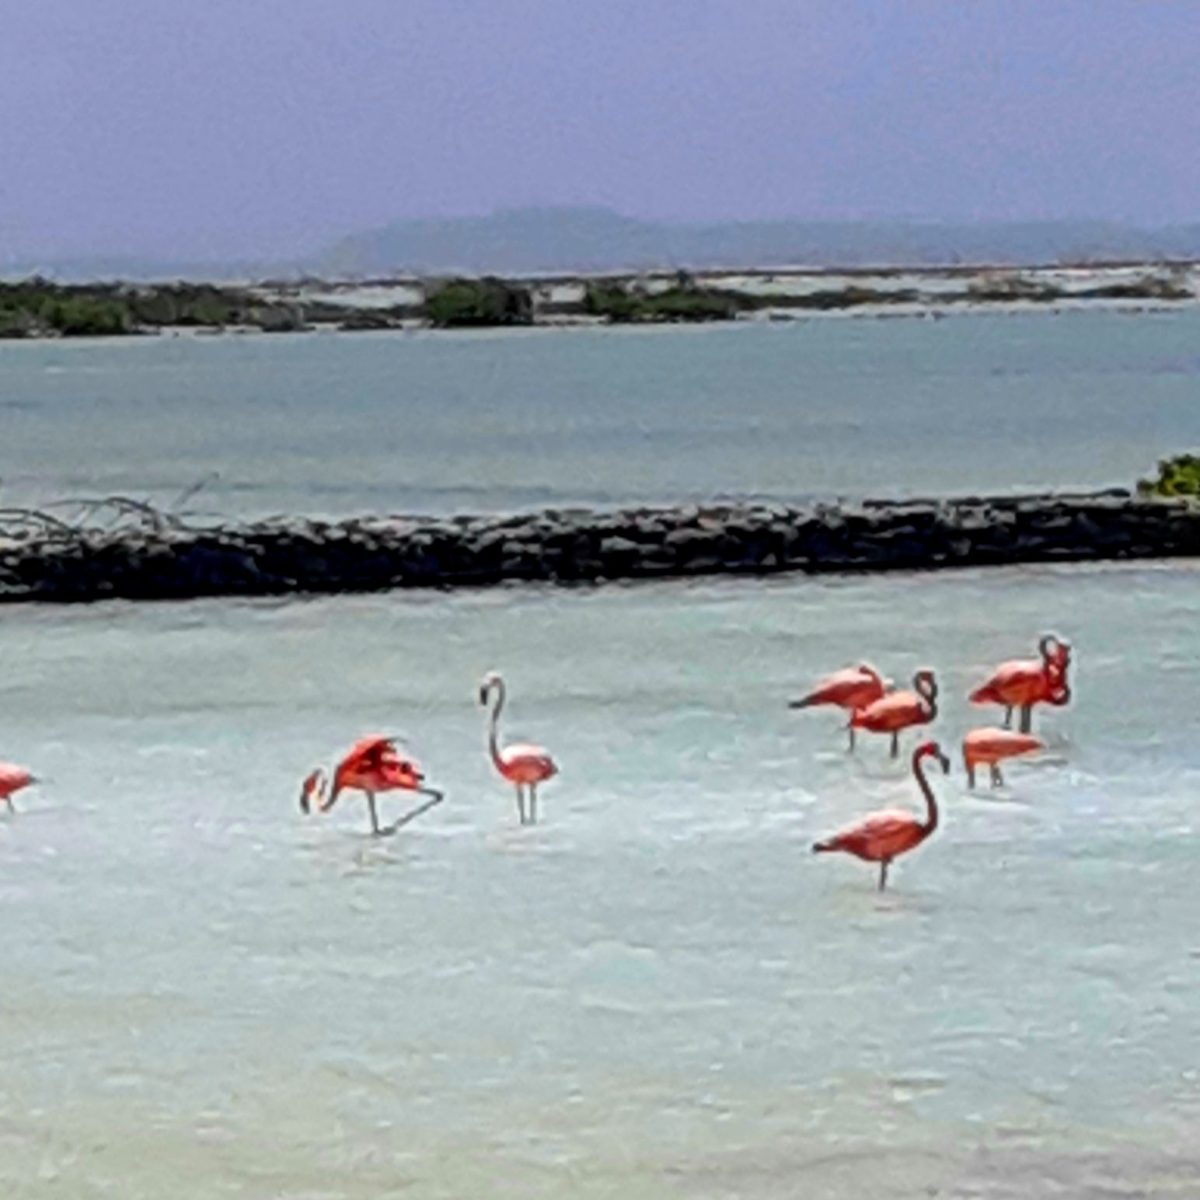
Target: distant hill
{"type": "Point", "coordinates": [548, 240]}
{"type": "Point", "coordinates": [530, 241]}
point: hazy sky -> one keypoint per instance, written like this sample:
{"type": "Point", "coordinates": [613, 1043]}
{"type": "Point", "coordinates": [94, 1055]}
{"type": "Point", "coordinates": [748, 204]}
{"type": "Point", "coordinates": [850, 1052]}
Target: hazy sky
{"type": "Point", "coordinates": [266, 127]}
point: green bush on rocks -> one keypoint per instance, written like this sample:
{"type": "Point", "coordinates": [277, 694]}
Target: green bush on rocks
{"type": "Point", "coordinates": [475, 302]}
{"type": "Point", "coordinates": [1177, 476]}
{"type": "Point", "coordinates": [682, 301]}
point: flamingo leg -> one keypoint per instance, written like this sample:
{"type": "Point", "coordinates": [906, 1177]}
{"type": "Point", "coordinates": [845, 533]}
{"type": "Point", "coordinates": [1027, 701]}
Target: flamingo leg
{"type": "Point", "coordinates": [533, 804]}
{"type": "Point", "coordinates": [1026, 718]}
{"type": "Point", "coordinates": [1008, 716]}
{"type": "Point", "coordinates": [374, 814]}
{"type": "Point", "coordinates": [997, 778]}
{"type": "Point", "coordinates": [883, 866]}
{"type": "Point", "coordinates": [850, 730]}
{"type": "Point", "coordinates": [896, 744]}
{"type": "Point", "coordinates": [970, 774]}
{"type": "Point", "coordinates": [435, 798]}
{"type": "Point", "coordinates": [521, 803]}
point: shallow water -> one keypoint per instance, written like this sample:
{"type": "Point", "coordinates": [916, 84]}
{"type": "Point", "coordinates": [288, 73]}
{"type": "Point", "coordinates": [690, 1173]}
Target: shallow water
{"type": "Point", "coordinates": [658, 991]}
{"type": "Point", "coordinates": [499, 421]}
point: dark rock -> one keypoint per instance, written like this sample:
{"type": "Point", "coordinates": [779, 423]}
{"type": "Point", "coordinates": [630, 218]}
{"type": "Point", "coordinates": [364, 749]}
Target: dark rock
{"type": "Point", "coordinates": [577, 545]}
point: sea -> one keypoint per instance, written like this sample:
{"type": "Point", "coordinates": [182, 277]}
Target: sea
{"type": "Point", "coordinates": [658, 990]}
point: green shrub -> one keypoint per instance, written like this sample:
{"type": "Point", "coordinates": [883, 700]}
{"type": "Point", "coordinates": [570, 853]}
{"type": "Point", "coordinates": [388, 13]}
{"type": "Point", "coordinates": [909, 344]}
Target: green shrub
{"type": "Point", "coordinates": [16, 322]}
{"type": "Point", "coordinates": [1178, 476]}
{"type": "Point", "coordinates": [86, 316]}
{"type": "Point", "coordinates": [488, 301]}
{"type": "Point", "coordinates": [683, 301]}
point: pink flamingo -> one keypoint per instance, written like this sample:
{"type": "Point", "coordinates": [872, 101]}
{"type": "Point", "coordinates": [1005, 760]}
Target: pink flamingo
{"type": "Point", "coordinates": [372, 764]}
{"type": "Point", "coordinates": [851, 688]}
{"type": "Point", "coordinates": [1023, 682]}
{"type": "Point", "coordinates": [885, 835]}
{"type": "Point", "coordinates": [899, 710]}
{"type": "Point", "coordinates": [523, 765]}
{"type": "Point", "coordinates": [12, 780]}
{"type": "Point", "coordinates": [992, 746]}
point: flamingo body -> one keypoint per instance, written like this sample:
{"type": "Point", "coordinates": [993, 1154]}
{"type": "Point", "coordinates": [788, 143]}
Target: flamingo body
{"type": "Point", "coordinates": [526, 764]}
{"type": "Point", "coordinates": [853, 687]}
{"type": "Point", "coordinates": [12, 780]}
{"type": "Point", "coordinates": [1023, 682]}
{"type": "Point", "coordinates": [882, 836]}
{"type": "Point", "coordinates": [900, 710]}
{"type": "Point", "coordinates": [990, 747]}
{"type": "Point", "coordinates": [371, 765]}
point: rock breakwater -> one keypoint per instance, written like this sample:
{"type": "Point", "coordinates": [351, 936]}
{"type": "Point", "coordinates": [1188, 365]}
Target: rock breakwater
{"type": "Point", "coordinates": [162, 558]}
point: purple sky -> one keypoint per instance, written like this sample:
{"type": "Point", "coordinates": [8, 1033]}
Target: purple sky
{"type": "Point", "coordinates": [212, 128]}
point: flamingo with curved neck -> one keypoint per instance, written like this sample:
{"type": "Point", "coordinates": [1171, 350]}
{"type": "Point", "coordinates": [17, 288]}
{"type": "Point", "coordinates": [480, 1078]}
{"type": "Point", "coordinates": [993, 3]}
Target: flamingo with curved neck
{"type": "Point", "coordinates": [883, 836]}
{"type": "Point", "coordinates": [851, 688]}
{"type": "Point", "coordinates": [524, 765]}
{"type": "Point", "coordinates": [372, 765]}
{"type": "Point", "coordinates": [1023, 682]}
{"type": "Point", "coordinates": [899, 710]}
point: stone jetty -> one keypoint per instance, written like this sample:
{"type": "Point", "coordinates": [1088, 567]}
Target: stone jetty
{"type": "Point", "coordinates": [162, 558]}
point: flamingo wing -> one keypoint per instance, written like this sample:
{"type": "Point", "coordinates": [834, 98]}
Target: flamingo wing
{"type": "Point", "coordinates": [892, 711]}
{"type": "Point", "coordinates": [1008, 682]}
{"type": "Point", "coordinates": [844, 688]}
{"type": "Point", "coordinates": [878, 836]}
{"type": "Point", "coordinates": [13, 778]}
{"type": "Point", "coordinates": [526, 756]}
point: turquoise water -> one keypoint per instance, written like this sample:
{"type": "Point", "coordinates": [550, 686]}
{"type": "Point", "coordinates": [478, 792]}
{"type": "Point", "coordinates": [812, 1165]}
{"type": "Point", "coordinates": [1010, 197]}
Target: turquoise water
{"type": "Point", "coordinates": [481, 422]}
{"type": "Point", "coordinates": [658, 991]}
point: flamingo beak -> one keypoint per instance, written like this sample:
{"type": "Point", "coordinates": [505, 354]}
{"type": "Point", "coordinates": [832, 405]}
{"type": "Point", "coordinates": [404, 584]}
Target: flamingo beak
{"type": "Point", "coordinates": [483, 696]}
{"type": "Point", "coordinates": [945, 763]}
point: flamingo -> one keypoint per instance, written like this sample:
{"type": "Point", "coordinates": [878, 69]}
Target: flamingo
{"type": "Point", "coordinates": [899, 710]}
{"type": "Point", "coordinates": [1023, 682]}
{"type": "Point", "coordinates": [851, 688]}
{"type": "Point", "coordinates": [523, 765]}
{"type": "Point", "coordinates": [992, 746]}
{"type": "Point", "coordinates": [371, 765]}
{"type": "Point", "coordinates": [882, 836]}
{"type": "Point", "coordinates": [12, 780]}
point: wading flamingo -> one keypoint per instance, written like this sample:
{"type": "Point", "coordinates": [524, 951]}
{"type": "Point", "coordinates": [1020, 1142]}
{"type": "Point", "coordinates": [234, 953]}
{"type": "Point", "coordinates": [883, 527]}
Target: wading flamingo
{"type": "Point", "coordinates": [372, 764]}
{"type": "Point", "coordinates": [899, 710]}
{"type": "Point", "coordinates": [851, 688]}
{"type": "Point", "coordinates": [1023, 682]}
{"type": "Point", "coordinates": [885, 835]}
{"type": "Point", "coordinates": [523, 765]}
{"type": "Point", "coordinates": [991, 747]}
{"type": "Point", "coordinates": [12, 780]}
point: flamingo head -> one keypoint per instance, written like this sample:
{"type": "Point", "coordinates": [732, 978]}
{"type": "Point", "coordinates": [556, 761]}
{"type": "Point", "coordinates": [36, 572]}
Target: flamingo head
{"type": "Point", "coordinates": [310, 788]}
{"type": "Point", "coordinates": [487, 683]}
{"type": "Point", "coordinates": [1054, 651]}
{"type": "Point", "coordinates": [932, 750]}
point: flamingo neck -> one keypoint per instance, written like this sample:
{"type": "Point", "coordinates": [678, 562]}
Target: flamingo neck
{"type": "Point", "coordinates": [494, 722]}
{"type": "Point", "coordinates": [931, 822]}
{"type": "Point", "coordinates": [927, 690]}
